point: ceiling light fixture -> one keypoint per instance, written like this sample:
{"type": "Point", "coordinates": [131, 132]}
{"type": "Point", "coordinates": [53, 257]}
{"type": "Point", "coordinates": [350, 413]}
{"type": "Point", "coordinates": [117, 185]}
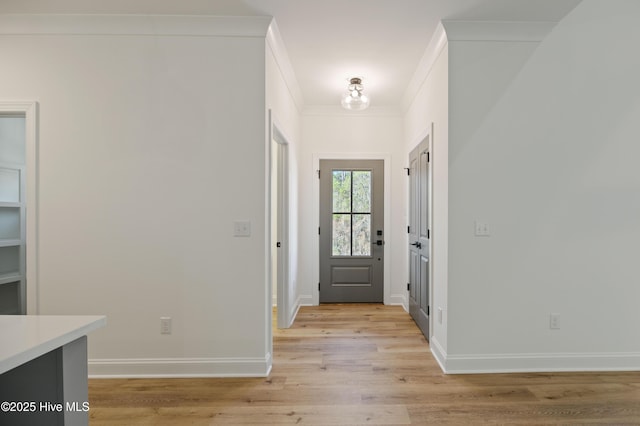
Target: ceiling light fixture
{"type": "Point", "coordinates": [354, 99]}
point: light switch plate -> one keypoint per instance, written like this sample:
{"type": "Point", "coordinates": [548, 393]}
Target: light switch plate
{"type": "Point", "coordinates": [241, 229]}
{"type": "Point", "coordinates": [554, 321]}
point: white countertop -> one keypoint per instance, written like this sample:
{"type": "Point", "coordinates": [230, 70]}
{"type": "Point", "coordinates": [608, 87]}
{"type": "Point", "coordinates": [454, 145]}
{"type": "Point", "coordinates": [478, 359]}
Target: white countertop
{"type": "Point", "coordinates": [25, 337]}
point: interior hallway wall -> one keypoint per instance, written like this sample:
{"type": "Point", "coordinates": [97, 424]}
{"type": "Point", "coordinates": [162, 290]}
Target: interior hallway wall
{"type": "Point", "coordinates": [543, 149]}
{"type": "Point", "coordinates": [148, 153]}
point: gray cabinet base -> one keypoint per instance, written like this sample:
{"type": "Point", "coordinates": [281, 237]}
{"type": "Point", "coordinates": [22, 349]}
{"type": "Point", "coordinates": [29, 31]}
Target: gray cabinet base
{"type": "Point", "coordinates": [49, 390]}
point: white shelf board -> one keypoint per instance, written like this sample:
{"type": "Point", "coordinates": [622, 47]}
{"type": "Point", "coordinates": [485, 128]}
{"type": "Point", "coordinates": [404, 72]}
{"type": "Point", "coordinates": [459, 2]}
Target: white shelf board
{"type": "Point", "coordinates": [9, 277]}
{"type": "Point", "coordinates": [10, 242]}
{"type": "Point", "coordinates": [12, 205]}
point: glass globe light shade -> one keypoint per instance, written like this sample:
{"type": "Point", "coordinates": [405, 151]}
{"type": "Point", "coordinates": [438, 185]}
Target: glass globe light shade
{"type": "Point", "coordinates": [354, 99]}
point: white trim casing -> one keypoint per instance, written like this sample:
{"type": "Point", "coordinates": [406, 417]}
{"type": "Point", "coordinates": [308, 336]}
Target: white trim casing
{"type": "Point", "coordinates": [281, 176]}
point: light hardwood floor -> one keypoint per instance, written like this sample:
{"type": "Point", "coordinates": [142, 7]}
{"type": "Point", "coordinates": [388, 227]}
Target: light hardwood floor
{"type": "Point", "coordinates": [366, 365]}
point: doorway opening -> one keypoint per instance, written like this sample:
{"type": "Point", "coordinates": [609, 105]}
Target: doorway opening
{"type": "Point", "coordinates": [279, 227]}
{"type": "Point", "coordinates": [18, 185]}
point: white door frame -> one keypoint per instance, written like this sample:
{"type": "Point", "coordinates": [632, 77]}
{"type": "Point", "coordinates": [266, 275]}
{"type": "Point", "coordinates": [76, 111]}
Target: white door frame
{"type": "Point", "coordinates": [315, 295]}
{"type": "Point", "coordinates": [279, 178]}
{"type": "Point", "coordinates": [30, 111]}
{"type": "Point", "coordinates": [433, 315]}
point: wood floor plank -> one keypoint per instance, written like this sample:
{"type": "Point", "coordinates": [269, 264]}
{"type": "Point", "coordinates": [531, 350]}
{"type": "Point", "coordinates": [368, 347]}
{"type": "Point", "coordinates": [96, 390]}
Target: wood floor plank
{"type": "Point", "coordinates": [314, 415]}
{"type": "Point", "coordinates": [366, 364]}
{"type": "Point", "coordinates": [530, 414]}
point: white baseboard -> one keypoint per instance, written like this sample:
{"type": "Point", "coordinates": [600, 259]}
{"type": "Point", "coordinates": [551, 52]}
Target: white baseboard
{"type": "Point", "coordinates": [305, 300]}
{"type": "Point", "coordinates": [293, 313]}
{"type": "Point", "coordinates": [180, 367]}
{"type": "Point", "coordinates": [438, 352]}
{"type": "Point", "coordinates": [399, 299]}
{"type": "Point", "coordinates": [534, 363]}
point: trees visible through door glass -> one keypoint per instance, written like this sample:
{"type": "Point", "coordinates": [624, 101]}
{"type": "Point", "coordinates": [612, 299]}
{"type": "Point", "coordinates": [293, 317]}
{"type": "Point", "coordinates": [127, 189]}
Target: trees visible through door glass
{"type": "Point", "coordinates": [361, 235]}
{"type": "Point", "coordinates": [361, 191]}
{"type": "Point", "coordinates": [351, 233]}
{"type": "Point", "coordinates": [341, 235]}
{"type": "Point", "coordinates": [341, 191]}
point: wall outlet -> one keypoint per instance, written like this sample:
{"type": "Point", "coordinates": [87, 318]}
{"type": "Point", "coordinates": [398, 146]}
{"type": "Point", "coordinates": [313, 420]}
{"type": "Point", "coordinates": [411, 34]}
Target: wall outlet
{"type": "Point", "coordinates": [242, 229]}
{"type": "Point", "coordinates": [165, 325]}
{"type": "Point", "coordinates": [481, 229]}
{"type": "Point", "coordinates": [554, 321]}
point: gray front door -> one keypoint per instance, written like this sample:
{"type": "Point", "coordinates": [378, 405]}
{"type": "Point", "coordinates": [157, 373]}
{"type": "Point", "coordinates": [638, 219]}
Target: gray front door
{"type": "Point", "coordinates": [351, 231]}
{"type": "Point", "coordinates": [419, 236]}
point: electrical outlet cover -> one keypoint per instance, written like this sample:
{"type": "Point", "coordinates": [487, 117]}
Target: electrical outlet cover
{"type": "Point", "coordinates": [241, 229]}
{"type": "Point", "coordinates": [481, 229]}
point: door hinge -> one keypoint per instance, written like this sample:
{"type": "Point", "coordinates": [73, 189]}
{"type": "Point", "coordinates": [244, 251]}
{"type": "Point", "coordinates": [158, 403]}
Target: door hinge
{"type": "Point", "coordinates": [318, 230]}
{"type": "Point", "coordinates": [428, 157]}
{"type": "Point", "coordinates": [428, 310]}
{"type": "Point", "coordinates": [408, 286]}
{"type": "Point", "coordinates": [278, 244]}
{"type": "Point", "coordinates": [318, 171]}
{"type": "Point", "coordinates": [318, 286]}
{"type": "Point", "coordinates": [428, 234]}
{"type": "Point", "coordinates": [408, 171]}
{"type": "Point", "coordinates": [408, 229]}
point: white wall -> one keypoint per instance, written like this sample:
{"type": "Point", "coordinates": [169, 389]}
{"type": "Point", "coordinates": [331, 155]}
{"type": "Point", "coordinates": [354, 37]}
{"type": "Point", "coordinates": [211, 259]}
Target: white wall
{"type": "Point", "coordinates": [543, 149]}
{"type": "Point", "coordinates": [148, 152]}
{"type": "Point", "coordinates": [427, 111]}
{"type": "Point", "coordinates": [333, 133]}
{"type": "Point", "coordinates": [283, 101]}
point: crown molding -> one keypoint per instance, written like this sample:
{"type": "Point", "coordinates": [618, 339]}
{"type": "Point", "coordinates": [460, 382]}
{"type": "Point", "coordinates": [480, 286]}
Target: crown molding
{"type": "Point", "coordinates": [497, 30]}
{"type": "Point", "coordinates": [338, 111]}
{"type": "Point", "coordinates": [276, 44]}
{"type": "Point", "coordinates": [140, 25]}
{"type": "Point", "coordinates": [436, 45]}
{"type": "Point", "coordinates": [447, 31]}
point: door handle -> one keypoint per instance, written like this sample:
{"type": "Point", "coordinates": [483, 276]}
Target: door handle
{"type": "Point", "coordinates": [417, 244]}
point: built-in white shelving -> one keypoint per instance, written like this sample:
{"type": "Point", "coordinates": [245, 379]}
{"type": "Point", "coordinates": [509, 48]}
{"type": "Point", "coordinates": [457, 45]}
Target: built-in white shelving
{"type": "Point", "coordinates": [12, 215]}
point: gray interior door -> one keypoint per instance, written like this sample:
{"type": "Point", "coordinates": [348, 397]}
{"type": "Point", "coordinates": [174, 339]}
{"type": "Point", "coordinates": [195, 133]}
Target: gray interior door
{"type": "Point", "coordinates": [419, 235]}
{"type": "Point", "coordinates": [351, 231]}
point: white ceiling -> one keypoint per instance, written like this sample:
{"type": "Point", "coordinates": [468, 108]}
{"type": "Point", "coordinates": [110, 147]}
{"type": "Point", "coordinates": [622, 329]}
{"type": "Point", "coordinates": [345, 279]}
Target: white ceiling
{"type": "Point", "coordinates": [329, 41]}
